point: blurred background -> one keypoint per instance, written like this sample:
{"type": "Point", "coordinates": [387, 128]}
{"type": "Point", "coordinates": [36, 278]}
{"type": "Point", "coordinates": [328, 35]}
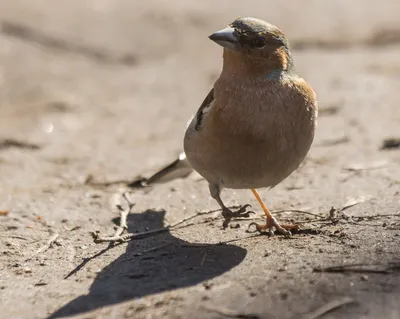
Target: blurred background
{"type": "Point", "coordinates": [103, 89]}
{"type": "Point", "coordinates": [111, 84]}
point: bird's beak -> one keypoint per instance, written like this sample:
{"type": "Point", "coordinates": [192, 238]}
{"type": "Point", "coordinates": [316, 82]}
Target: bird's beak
{"type": "Point", "coordinates": [227, 38]}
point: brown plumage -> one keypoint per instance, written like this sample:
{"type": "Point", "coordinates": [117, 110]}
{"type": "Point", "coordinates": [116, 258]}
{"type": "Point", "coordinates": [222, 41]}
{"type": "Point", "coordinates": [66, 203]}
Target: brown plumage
{"type": "Point", "coordinates": [257, 124]}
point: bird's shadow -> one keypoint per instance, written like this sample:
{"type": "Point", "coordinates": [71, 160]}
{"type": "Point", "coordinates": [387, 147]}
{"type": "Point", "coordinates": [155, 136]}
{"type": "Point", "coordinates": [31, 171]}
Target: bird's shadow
{"type": "Point", "coordinates": [141, 271]}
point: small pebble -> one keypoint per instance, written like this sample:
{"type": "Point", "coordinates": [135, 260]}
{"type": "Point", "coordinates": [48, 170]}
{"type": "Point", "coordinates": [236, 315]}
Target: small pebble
{"type": "Point", "coordinates": [284, 296]}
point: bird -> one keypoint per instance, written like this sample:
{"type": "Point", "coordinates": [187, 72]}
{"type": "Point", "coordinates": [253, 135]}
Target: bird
{"type": "Point", "coordinates": [258, 122]}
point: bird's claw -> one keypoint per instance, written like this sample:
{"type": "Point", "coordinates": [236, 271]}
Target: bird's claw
{"type": "Point", "coordinates": [269, 226]}
{"type": "Point", "coordinates": [241, 212]}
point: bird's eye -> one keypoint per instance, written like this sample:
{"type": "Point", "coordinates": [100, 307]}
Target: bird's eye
{"type": "Point", "coordinates": [259, 42]}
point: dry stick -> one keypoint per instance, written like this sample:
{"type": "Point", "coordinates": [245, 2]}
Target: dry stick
{"type": "Point", "coordinates": [296, 211]}
{"type": "Point", "coordinates": [122, 238]}
{"type": "Point", "coordinates": [238, 239]}
{"type": "Point", "coordinates": [331, 221]}
{"type": "Point", "coordinates": [125, 212]}
{"type": "Point", "coordinates": [72, 228]}
{"type": "Point", "coordinates": [85, 261]}
{"type": "Point", "coordinates": [200, 245]}
{"type": "Point", "coordinates": [329, 307]}
{"type": "Point", "coordinates": [123, 226]}
{"type": "Point", "coordinates": [362, 224]}
{"type": "Point", "coordinates": [119, 237]}
{"type": "Point", "coordinates": [377, 216]}
{"type": "Point", "coordinates": [322, 219]}
{"type": "Point", "coordinates": [196, 215]}
{"type": "Point", "coordinates": [329, 110]}
{"type": "Point", "coordinates": [373, 166]}
{"type": "Point", "coordinates": [15, 237]}
{"type": "Point", "coordinates": [229, 313]}
{"type": "Point", "coordinates": [127, 237]}
{"type": "Point", "coordinates": [203, 259]}
{"type": "Point", "coordinates": [46, 246]}
{"type": "Point", "coordinates": [241, 219]}
{"type": "Point", "coordinates": [313, 214]}
{"type": "Point", "coordinates": [155, 248]}
{"type": "Point", "coordinates": [360, 268]}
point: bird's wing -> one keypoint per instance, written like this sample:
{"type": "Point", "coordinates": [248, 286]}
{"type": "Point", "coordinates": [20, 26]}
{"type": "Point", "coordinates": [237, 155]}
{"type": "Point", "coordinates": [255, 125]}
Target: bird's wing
{"type": "Point", "coordinates": [204, 108]}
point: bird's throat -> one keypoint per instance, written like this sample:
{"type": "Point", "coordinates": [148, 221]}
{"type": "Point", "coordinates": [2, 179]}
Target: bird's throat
{"type": "Point", "coordinates": [237, 63]}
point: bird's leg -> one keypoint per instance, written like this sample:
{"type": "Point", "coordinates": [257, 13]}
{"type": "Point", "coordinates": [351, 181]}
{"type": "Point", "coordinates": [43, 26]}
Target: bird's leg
{"type": "Point", "coordinates": [215, 191]}
{"type": "Point", "coordinates": [271, 221]}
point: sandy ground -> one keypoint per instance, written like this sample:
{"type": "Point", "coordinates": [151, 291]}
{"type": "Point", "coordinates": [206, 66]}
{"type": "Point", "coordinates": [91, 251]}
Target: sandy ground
{"type": "Point", "coordinates": [104, 88]}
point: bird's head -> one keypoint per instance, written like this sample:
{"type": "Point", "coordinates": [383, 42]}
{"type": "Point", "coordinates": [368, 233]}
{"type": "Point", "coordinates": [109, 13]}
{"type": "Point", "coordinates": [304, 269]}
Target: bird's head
{"type": "Point", "coordinates": [252, 39]}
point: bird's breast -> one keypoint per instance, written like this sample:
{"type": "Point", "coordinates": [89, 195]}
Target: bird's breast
{"type": "Point", "coordinates": [254, 135]}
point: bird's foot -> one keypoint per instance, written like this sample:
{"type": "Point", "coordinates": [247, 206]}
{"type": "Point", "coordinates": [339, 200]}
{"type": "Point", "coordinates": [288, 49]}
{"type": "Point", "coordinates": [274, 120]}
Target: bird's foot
{"type": "Point", "coordinates": [242, 212]}
{"type": "Point", "coordinates": [272, 223]}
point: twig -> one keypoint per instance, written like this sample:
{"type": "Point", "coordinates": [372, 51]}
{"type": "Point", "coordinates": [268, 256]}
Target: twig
{"type": "Point", "coordinates": [198, 214]}
{"type": "Point", "coordinates": [8, 143]}
{"type": "Point", "coordinates": [361, 268]}
{"type": "Point", "coordinates": [119, 237]}
{"type": "Point", "coordinates": [123, 226]}
{"type": "Point", "coordinates": [124, 213]}
{"type": "Point", "coordinates": [194, 245]}
{"type": "Point", "coordinates": [241, 219]}
{"type": "Point", "coordinates": [334, 221]}
{"type": "Point", "coordinates": [376, 216]}
{"type": "Point", "coordinates": [127, 237]}
{"type": "Point", "coordinates": [72, 228]}
{"type": "Point", "coordinates": [328, 110]}
{"type": "Point", "coordinates": [46, 246]}
{"type": "Point", "coordinates": [332, 142]}
{"type": "Point", "coordinates": [15, 237]}
{"type": "Point", "coordinates": [203, 259]}
{"type": "Point", "coordinates": [218, 210]}
{"type": "Point", "coordinates": [230, 313]}
{"type": "Point", "coordinates": [329, 307]}
{"type": "Point", "coordinates": [362, 224]}
{"type": "Point", "coordinates": [365, 167]}
{"type": "Point", "coordinates": [390, 143]}
{"type": "Point", "coordinates": [241, 238]}
{"type": "Point", "coordinates": [297, 211]}
{"type": "Point", "coordinates": [156, 248]}
{"type": "Point", "coordinates": [85, 261]}
{"type": "Point", "coordinates": [353, 202]}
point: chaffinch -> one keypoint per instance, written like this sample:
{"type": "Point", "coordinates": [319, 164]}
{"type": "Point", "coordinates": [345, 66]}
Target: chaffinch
{"type": "Point", "coordinates": [257, 124]}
